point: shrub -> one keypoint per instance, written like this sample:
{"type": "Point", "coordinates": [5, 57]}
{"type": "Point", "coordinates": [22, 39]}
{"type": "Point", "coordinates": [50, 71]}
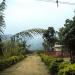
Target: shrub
{"type": "Point", "coordinates": [59, 60]}
{"type": "Point", "coordinates": [47, 59]}
{"type": "Point", "coordinates": [66, 69]}
{"type": "Point", "coordinates": [10, 61]}
{"type": "Point", "coordinates": [52, 63]}
{"type": "Point", "coordinates": [58, 66]}
{"type": "Point", "coordinates": [54, 67]}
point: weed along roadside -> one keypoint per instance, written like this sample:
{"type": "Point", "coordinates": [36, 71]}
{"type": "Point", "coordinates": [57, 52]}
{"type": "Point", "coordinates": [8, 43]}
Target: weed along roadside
{"type": "Point", "coordinates": [5, 63]}
{"type": "Point", "coordinates": [57, 66]}
{"type": "Point", "coordinates": [32, 65]}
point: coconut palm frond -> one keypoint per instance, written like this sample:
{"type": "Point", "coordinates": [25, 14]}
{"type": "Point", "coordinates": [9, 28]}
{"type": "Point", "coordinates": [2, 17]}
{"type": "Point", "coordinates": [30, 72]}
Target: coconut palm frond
{"type": "Point", "coordinates": [28, 33]}
{"type": "Point", "coordinates": [36, 31]}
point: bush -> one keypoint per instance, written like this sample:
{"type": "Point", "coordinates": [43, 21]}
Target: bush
{"type": "Point", "coordinates": [58, 66]}
{"type": "Point", "coordinates": [52, 63]}
{"type": "Point", "coordinates": [10, 61]}
{"type": "Point", "coordinates": [59, 60]}
{"type": "Point", "coordinates": [54, 67]}
{"type": "Point", "coordinates": [47, 59]}
{"type": "Point", "coordinates": [66, 69]}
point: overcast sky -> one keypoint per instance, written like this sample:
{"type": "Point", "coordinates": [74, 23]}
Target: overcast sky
{"type": "Point", "coordinates": [26, 14]}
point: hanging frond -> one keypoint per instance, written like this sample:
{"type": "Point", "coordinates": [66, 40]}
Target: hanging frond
{"type": "Point", "coordinates": [37, 31]}
{"type": "Point", "coordinates": [28, 33]}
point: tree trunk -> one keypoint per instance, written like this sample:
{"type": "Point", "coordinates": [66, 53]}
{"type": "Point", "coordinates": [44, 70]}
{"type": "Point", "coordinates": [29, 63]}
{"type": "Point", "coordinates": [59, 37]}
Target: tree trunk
{"type": "Point", "coordinates": [1, 47]}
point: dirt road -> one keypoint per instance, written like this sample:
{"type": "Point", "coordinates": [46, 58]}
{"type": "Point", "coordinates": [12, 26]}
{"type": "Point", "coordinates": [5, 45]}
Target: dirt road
{"type": "Point", "coordinates": [32, 65]}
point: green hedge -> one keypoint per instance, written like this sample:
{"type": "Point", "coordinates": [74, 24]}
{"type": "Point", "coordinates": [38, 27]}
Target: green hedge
{"type": "Point", "coordinates": [52, 63]}
{"type": "Point", "coordinates": [54, 67]}
{"type": "Point", "coordinates": [47, 59]}
{"type": "Point", "coordinates": [10, 61]}
{"type": "Point", "coordinates": [58, 66]}
{"type": "Point", "coordinates": [66, 69]}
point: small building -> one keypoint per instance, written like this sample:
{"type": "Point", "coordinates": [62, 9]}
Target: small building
{"type": "Point", "coordinates": [58, 51]}
{"type": "Point", "coordinates": [58, 47]}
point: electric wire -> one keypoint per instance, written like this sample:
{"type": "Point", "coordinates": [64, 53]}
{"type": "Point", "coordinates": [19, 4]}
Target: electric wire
{"type": "Point", "coordinates": [59, 2]}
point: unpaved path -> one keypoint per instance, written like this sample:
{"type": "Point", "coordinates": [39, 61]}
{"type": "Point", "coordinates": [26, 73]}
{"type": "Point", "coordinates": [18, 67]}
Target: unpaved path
{"type": "Point", "coordinates": [32, 65]}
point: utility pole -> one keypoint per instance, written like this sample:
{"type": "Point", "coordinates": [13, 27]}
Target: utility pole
{"type": "Point", "coordinates": [74, 12]}
{"type": "Point", "coordinates": [57, 2]}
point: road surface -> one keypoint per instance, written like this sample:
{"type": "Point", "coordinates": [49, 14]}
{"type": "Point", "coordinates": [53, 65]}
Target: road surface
{"type": "Point", "coordinates": [32, 65]}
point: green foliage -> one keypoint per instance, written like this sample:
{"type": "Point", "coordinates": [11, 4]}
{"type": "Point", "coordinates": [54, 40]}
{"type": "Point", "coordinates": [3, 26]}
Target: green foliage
{"type": "Point", "coordinates": [47, 59]}
{"type": "Point", "coordinates": [66, 69]}
{"type": "Point", "coordinates": [63, 31]}
{"type": "Point", "coordinates": [19, 37]}
{"type": "Point", "coordinates": [57, 66]}
{"type": "Point", "coordinates": [2, 23]}
{"type": "Point", "coordinates": [1, 48]}
{"type": "Point", "coordinates": [10, 61]}
{"type": "Point", "coordinates": [52, 63]}
{"type": "Point", "coordinates": [54, 67]}
{"type": "Point", "coordinates": [59, 60]}
{"type": "Point", "coordinates": [67, 37]}
{"type": "Point", "coordinates": [13, 48]}
{"type": "Point", "coordinates": [27, 34]}
{"type": "Point", "coordinates": [49, 38]}
{"type": "Point", "coordinates": [13, 52]}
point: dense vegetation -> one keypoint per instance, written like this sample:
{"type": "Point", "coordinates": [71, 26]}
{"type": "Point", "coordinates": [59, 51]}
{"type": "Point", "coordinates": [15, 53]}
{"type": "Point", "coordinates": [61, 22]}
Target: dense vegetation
{"type": "Point", "coordinates": [2, 23]}
{"type": "Point", "coordinates": [67, 37]}
{"type": "Point", "coordinates": [4, 63]}
{"type": "Point", "coordinates": [57, 66]}
{"type": "Point", "coordinates": [49, 38]}
{"type": "Point", "coordinates": [10, 51]}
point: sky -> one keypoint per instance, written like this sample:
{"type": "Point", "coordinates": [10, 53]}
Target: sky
{"type": "Point", "coordinates": [21, 15]}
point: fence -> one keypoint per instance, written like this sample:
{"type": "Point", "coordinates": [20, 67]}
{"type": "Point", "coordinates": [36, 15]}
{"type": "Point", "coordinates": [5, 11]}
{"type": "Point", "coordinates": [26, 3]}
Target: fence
{"type": "Point", "coordinates": [58, 53]}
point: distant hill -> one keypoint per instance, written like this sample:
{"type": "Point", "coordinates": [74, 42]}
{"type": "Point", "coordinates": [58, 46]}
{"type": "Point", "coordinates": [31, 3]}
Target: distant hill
{"type": "Point", "coordinates": [6, 37]}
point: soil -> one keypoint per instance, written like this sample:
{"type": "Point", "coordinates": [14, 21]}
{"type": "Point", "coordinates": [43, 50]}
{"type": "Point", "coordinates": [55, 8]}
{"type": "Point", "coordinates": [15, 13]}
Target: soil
{"type": "Point", "coordinates": [32, 65]}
